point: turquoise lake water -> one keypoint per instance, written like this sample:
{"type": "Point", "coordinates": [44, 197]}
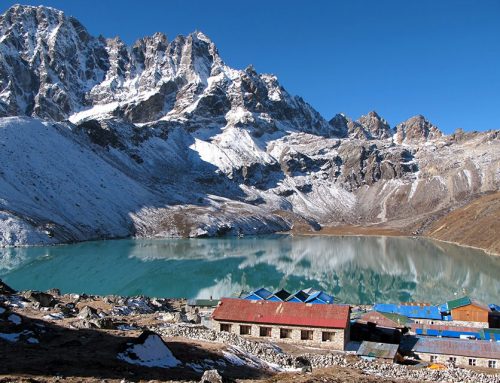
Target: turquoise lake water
{"type": "Point", "coordinates": [354, 269]}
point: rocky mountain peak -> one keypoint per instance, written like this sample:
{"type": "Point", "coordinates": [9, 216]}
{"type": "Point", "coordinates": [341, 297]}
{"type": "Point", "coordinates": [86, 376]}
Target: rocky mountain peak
{"type": "Point", "coordinates": [54, 69]}
{"type": "Point", "coordinates": [376, 126]}
{"type": "Point", "coordinates": [415, 130]}
{"type": "Point", "coordinates": [49, 62]}
{"type": "Point", "coordinates": [339, 123]}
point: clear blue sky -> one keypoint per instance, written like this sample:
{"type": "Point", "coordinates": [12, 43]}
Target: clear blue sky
{"type": "Point", "coordinates": [400, 58]}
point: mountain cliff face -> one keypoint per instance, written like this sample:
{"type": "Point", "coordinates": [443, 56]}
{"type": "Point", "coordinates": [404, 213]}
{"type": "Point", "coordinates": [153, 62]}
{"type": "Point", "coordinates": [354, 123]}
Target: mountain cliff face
{"type": "Point", "coordinates": [161, 138]}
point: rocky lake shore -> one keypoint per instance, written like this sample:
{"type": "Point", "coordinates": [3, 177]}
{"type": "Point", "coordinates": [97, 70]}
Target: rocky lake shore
{"type": "Point", "coordinates": [49, 336]}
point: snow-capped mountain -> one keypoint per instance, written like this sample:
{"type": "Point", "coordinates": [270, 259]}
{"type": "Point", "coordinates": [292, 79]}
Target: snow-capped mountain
{"type": "Point", "coordinates": [162, 138]}
{"type": "Point", "coordinates": [52, 68]}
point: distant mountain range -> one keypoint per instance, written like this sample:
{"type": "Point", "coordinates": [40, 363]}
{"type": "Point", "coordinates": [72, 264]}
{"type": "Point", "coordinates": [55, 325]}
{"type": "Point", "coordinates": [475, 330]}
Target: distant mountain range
{"type": "Point", "coordinates": [103, 140]}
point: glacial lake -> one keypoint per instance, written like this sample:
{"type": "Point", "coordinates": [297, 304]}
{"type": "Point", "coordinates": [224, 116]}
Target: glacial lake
{"type": "Point", "coordinates": [353, 269]}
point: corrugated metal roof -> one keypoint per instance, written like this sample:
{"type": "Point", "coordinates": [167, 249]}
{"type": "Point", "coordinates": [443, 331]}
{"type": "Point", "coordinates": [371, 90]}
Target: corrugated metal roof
{"type": "Point", "coordinates": [282, 313]}
{"type": "Point", "coordinates": [384, 319]}
{"type": "Point", "coordinates": [448, 333]}
{"type": "Point", "coordinates": [460, 302]}
{"type": "Point", "coordinates": [443, 308]}
{"type": "Point", "coordinates": [442, 327]}
{"type": "Point", "coordinates": [459, 347]}
{"type": "Point", "coordinates": [456, 331]}
{"type": "Point", "coordinates": [494, 307]}
{"type": "Point", "coordinates": [259, 294]}
{"type": "Point", "coordinates": [309, 291]}
{"type": "Point", "coordinates": [492, 334]}
{"type": "Point", "coordinates": [466, 301]}
{"type": "Point", "coordinates": [203, 302]}
{"type": "Point", "coordinates": [281, 295]}
{"type": "Point", "coordinates": [410, 311]}
{"type": "Point", "coordinates": [378, 350]}
{"type": "Point", "coordinates": [397, 318]}
{"type": "Point", "coordinates": [320, 296]}
{"type": "Point", "coordinates": [300, 295]}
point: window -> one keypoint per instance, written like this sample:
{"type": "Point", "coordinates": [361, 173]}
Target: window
{"type": "Point", "coordinates": [472, 362]}
{"type": "Point", "coordinates": [265, 331]}
{"type": "Point", "coordinates": [245, 330]}
{"type": "Point", "coordinates": [306, 335]}
{"type": "Point", "coordinates": [492, 364]}
{"type": "Point", "coordinates": [327, 336]}
{"type": "Point", "coordinates": [225, 327]}
{"type": "Point", "coordinates": [452, 359]}
{"type": "Point", "coordinates": [434, 358]}
{"type": "Point", "coordinates": [285, 333]}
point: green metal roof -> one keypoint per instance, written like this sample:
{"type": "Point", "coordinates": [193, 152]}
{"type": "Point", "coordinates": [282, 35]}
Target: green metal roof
{"type": "Point", "coordinates": [400, 319]}
{"type": "Point", "coordinates": [492, 334]}
{"type": "Point", "coordinates": [460, 302]}
{"type": "Point", "coordinates": [203, 302]}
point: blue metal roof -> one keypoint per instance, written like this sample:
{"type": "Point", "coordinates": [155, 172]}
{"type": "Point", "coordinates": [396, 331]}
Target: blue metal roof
{"type": "Point", "coordinates": [260, 294]}
{"type": "Point", "coordinates": [447, 333]}
{"type": "Point", "coordinates": [443, 308]}
{"type": "Point", "coordinates": [416, 312]}
{"type": "Point", "coordinates": [320, 297]}
{"type": "Point", "coordinates": [279, 296]}
{"type": "Point", "coordinates": [494, 307]}
{"type": "Point", "coordinates": [299, 296]}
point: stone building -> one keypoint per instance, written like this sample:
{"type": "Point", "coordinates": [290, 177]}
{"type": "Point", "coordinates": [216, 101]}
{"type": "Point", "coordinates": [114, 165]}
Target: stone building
{"type": "Point", "coordinates": [301, 323]}
{"type": "Point", "coordinates": [460, 352]}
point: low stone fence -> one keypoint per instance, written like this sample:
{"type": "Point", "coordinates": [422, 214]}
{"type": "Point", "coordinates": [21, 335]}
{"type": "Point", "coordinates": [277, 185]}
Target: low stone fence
{"type": "Point", "coordinates": [265, 351]}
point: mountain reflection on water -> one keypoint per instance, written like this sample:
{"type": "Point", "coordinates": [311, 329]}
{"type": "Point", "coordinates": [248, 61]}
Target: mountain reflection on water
{"type": "Point", "coordinates": [354, 269]}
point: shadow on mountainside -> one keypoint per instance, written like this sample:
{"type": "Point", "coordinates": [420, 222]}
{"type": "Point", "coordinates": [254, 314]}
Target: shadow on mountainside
{"type": "Point", "coordinates": [65, 186]}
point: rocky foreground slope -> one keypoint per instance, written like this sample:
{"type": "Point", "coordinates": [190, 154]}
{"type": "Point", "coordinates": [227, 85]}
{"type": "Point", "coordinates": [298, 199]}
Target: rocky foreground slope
{"type": "Point", "coordinates": [162, 138]}
{"type": "Point", "coordinates": [49, 337]}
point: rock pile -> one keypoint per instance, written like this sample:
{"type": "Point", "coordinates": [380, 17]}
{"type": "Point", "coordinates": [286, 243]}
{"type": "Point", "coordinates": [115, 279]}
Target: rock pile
{"type": "Point", "coordinates": [211, 376]}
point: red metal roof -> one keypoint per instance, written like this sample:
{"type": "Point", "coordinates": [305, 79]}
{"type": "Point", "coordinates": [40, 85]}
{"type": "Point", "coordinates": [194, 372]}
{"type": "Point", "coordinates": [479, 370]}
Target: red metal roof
{"type": "Point", "coordinates": [382, 320]}
{"type": "Point", "coordinates": [282, 313]}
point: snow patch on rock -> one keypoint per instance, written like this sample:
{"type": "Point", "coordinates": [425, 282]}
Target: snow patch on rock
{"type": "Point", "coordinates": [150, 352]}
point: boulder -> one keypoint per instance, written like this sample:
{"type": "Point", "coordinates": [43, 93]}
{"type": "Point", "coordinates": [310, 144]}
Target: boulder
{"type": "Point", "coordinates": [193, 318]}
{"type": "Point", "coordinates": [65, 309]}
{"type": "Point", "coordinates": [103, 323]}
{"type": "Point", "coordinates": [211, 376]}
{"type": "Point", "coordinates": [88, 313]}
{"type": "Point", "coordinates": [42, 299]}
{"type": "Point", "coordinates": [113, 299]}
{"type": "Point", "coordinates": [180, 317]}
{"type": "Point", "coordinates": [6, 289]}
{"type": "Point", "coordinates": [54, 292]}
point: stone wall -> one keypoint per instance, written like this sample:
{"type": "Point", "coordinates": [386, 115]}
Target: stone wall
{"type": "Point", "coordinates": [460, 360]}
{"type": "Point", "coordinates": [452, 323]}
{"type": "Point", "coordinates": [478, 325]}
{"type": "Point", "coordinates": [338, 340]}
